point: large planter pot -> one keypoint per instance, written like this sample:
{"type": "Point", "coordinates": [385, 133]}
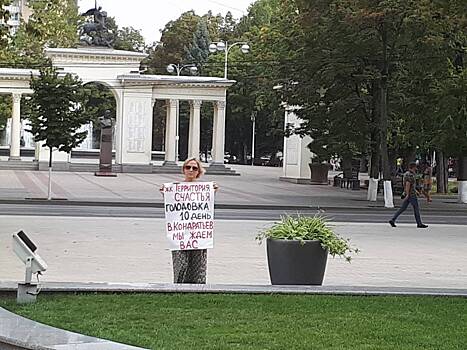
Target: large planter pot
{"type": "Point", "coordinates": [291, 262]}
{"type": "Point", "coordinates": [319, 173]}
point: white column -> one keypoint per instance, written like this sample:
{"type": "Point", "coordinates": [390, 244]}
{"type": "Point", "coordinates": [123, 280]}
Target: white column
{"type": "Point", "coordinates": [190, 130]}
{"type": "Point", "coordinates": [118, 145]}
{"type": "Point", "coordinates": [194, 134]}
{"type": "Point", "coordinates": [214, 128]}
{"type": "Point", "coordinates": [177, 132]}
{"type": "Point", "coordinates": [171, 131]}
{"type": "Point", "coordinates": [15, 143]}
{"type": "Point", "coordinates": [219, 133]}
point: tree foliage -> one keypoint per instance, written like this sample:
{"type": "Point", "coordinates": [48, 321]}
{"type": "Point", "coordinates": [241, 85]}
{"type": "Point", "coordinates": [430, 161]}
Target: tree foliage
{"type": "Point", "coordinates": [5, 109]}
{"type": "Point", "coordinates": [367, 73]}
{"type": "Point", "coordinates": [52, 24]}
{"type": "Point", "coordinates": [126, 38]}
{"type": "Point", "coordinates": [198, 50]}
{"type": "Point", "coordinates": [4, 17]}
{"type": "Point", "coordinates": [57, 110]}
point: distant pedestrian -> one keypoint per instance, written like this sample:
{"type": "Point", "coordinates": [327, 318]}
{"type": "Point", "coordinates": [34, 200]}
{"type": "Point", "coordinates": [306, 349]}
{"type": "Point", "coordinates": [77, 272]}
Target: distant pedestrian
{"type": "Point", "coordinates": [410, 197]}
{"type": "Point", "coordinates": [427, 182]}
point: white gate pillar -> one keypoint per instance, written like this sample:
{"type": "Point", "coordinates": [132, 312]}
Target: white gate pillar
{"type": "Point", "coordinates": [134, 139]}
{"type": "Point", "coordinates": [195, 129]}
{"type": "Point", "coordinates": [15, 143]}
{"type": "Point", "coordinates": [171, 132]}
{"type": "Point", "coordinates": [218, 141]}
{"type": "Point", "coordinates": [296, 154]}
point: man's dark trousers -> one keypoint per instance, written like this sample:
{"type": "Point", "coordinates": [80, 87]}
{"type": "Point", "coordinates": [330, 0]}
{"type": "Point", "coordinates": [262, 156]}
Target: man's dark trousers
{"type": "Point", "coordinates": [416, 210]}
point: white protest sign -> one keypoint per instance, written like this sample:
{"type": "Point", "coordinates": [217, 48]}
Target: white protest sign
{"type": "Point", "coordinates": [189, 215]}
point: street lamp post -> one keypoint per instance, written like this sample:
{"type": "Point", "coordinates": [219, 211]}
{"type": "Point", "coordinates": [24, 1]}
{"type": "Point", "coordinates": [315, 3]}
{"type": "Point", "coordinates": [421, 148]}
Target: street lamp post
{"type": "Point", "coordinates": [253, 120]}
{"type": "Point", "coordinates": [178, 68]}
{"type": "Point", "coordinates": [226, 47]}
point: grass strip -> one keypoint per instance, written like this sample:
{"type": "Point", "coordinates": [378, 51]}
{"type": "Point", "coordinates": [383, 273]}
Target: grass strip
{"type": "Point", "coordinates": [223, 321]}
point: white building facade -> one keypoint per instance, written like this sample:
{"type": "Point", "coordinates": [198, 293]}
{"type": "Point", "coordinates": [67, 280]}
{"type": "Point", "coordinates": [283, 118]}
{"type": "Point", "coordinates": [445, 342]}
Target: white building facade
{"type": "Point", "coordinates": [135, 95]}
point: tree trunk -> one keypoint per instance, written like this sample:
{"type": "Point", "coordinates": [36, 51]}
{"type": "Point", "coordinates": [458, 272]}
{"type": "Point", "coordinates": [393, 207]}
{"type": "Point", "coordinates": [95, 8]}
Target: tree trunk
{"type": "Point", "coordinates": [409, 157]}
{"type": "Point", "coordinates": [375, 145]}
{"type": "Point", "coordinates": [49, 187]}
{"type": "Point", "coordinates": [384, 131]}
{"type": "Point", "coordinates": [347, 166]}
{"type": "Point", "coordinates": [441, 173]}
{"type": "Point", "coordinates": [244, 154]}
{"type": "Point", "coordinates": [388, 198]}
{"type": "Point", "coordinates": [363, 164]}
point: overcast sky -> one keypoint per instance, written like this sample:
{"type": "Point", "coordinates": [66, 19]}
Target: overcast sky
{"type": "Point", "coordinates": [150, 16]}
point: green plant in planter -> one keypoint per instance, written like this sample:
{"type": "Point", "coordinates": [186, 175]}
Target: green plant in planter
{"type": "Point", "coordinates": [314, 228]}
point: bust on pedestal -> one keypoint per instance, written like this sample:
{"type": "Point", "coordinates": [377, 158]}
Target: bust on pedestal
{"type": "Point", "coordinates": [105, 159]}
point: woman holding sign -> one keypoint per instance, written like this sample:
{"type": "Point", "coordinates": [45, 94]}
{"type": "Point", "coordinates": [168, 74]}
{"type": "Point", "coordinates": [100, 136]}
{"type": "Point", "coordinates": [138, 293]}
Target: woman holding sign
{"type": "Point", "coordinates": [189, 226]}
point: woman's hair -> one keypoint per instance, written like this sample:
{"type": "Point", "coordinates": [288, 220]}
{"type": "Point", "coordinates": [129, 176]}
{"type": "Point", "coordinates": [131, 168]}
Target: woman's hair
{"type": "Point", "coordinates": [201, 170]}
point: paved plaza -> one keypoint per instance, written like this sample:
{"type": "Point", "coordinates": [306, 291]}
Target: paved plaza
{"type": "Point", "coordinates": [121, 250]}
{"type": "Point", "coordinates": [134, 250]}
{"type": "Point", "coordinates": [258, 186]}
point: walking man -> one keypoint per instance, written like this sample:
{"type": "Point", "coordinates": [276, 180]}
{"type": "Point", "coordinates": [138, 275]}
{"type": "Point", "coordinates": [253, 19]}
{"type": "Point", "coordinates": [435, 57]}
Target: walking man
{"type": "Point", "coordinates": [410, 197]}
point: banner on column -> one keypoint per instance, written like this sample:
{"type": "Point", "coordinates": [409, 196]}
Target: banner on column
{"type": "Point", "coordinates": [189, 215]}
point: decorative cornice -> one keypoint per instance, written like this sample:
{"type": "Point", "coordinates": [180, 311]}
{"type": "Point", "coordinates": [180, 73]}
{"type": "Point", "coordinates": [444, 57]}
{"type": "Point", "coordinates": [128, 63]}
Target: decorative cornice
{"type": "Point", "coordinates": [178, 81]}
{"type": "Point", "coordinates": [17, 74]}
{"type": "Point", "coordinates": [93, 55]}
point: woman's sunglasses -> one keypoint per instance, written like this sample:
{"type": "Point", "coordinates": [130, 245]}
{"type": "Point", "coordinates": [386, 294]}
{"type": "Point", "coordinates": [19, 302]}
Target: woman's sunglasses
{"type": "Point", "coordinates": [189, 167]}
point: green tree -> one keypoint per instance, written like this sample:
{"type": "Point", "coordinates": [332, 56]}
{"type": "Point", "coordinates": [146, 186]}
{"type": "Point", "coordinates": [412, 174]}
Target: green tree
{"type": "Point", "coordinates": [175, 37]}
{"type": "Point", "coordinates": [355, 65]}
{"type": "Point", "coordinates": [198, 50]}
{"type": "Point", "coordinates": [5, 109]}
{"type": "Point", "coordinates": [53, 23]}
{"type": "Point", "coordinates": [57, 112]}
{"type": "Point", "coordinates": [126, 38]}
{"type": "Point", "coordinates": [256, 74]}
{"type": "Point", "coordinates": [129, 39]}
{"type": "Point", "coordinates": [5, 101]}
{"type": "Point", "coordinates": [4, 30]}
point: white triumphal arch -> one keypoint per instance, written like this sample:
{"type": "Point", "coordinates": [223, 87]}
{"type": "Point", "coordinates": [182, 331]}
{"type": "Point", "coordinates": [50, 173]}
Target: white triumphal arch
{"type": "Point", "coordinates": [135, 95]}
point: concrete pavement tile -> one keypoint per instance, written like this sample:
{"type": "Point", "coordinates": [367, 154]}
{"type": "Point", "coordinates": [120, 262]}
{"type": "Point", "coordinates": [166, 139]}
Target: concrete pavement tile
{"type": "Point", "coordinates": [135, 250]}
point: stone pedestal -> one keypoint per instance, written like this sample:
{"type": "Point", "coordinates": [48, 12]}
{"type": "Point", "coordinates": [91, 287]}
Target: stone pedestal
{"type": "Point", "coordinates": [105, 158]}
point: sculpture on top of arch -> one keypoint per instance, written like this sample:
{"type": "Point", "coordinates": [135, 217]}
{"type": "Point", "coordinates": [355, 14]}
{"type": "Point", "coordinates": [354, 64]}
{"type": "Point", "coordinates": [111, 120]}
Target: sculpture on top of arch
{"type": "Point", "coordinates": [96, 32]}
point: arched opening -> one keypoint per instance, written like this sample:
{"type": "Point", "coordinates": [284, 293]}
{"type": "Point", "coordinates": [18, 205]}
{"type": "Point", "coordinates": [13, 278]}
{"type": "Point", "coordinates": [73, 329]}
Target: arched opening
{"type": "Point", "coordinates": [99, 99]}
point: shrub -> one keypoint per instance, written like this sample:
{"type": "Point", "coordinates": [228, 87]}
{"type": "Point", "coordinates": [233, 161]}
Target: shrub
{"type": "Point", "coordinates": [303, 228]}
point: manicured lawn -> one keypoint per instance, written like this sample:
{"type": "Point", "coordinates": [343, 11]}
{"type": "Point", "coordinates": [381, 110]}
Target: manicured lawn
{"type": "Point", "coordinates": [204, 321]}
